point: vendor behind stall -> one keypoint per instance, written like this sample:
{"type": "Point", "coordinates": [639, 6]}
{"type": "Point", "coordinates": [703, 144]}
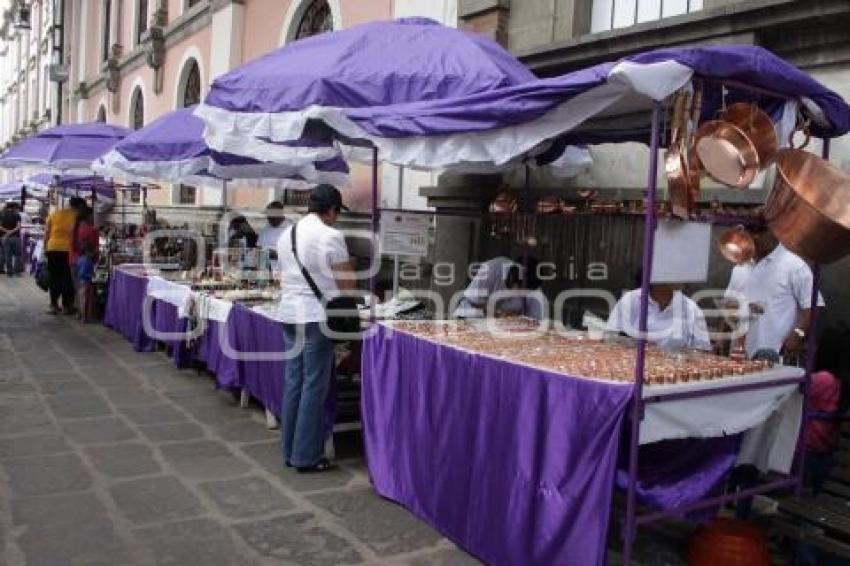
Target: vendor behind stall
{"type": "Point", "coordinates": [270, 235]}
{"type": "Point", "coordinates": [498, 275]}
{"type": "Point", "coordinates": [240, 234]}
{"type": "Point", "coordinates": [777, 287]}
{"type": "Point", "coordinates": [673, 320]}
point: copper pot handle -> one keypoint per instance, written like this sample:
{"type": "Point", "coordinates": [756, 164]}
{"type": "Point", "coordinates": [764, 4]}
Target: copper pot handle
{"type": "Point", "coordinates": [806, 131]}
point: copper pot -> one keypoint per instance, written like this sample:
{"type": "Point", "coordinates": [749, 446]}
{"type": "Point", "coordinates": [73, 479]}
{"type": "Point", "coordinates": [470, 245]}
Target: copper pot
{"type": "Point", "coordinates": [675, 161]}
{"type": "Point", "coordinates": [549, 205]}
{"type": "Point", "coordinates": [809, 207]}
{"type": "Point", "coordinates": [737, 245]}
{"type": "Point", "coordinates": [504, 203]}
{"type": "Point", "coordinates": [736, 147]}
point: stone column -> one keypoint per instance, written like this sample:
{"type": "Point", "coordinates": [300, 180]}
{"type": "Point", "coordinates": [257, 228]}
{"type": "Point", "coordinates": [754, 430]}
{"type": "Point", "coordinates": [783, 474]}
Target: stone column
{"type": "Point", "coordinates": [226, 42]}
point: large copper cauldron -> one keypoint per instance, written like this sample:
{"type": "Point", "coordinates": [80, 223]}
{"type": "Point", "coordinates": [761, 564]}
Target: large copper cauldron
{"type": "Point", "coordinates": [809, 207]}
{"type": "Point", "coordinates": [734, 148]}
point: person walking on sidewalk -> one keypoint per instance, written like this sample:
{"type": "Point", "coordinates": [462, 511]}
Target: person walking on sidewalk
{"type": "Point", "coordinates": [10, 232]}
{"type": "Point", "coordinates": [59, 238]}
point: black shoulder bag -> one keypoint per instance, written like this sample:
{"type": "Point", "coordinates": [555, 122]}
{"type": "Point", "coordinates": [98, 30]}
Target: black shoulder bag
{"type": "Point", "coordinates": [341, 311]}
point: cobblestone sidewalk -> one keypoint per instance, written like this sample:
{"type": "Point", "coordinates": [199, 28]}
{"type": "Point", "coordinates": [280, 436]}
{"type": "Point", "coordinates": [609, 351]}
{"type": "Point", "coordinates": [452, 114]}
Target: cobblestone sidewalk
{"type": "Point", "coordinates": [112, 457]}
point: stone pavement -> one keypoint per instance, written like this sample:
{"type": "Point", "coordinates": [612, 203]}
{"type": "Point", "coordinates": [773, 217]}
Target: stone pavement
{"type": "Point", "coordinates": [112, 457]}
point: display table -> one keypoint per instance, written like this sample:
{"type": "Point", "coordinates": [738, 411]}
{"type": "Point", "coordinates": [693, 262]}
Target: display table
{"type": "Point", "coordinates": [515, 463]}
{"type": "Point", "coordinates": [124, 306]}
{"type": "Point", "coordinates": [242, 347]}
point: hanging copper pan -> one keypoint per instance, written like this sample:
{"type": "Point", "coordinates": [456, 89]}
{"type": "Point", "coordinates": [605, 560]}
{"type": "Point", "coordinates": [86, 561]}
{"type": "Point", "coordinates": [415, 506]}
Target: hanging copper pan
{"type": "Point", "coordinates": [809, 207]}
{"type": "Point", "coordinates": [549, 205]}
{"type": "Point", "coordinates": [695, 169]}
{"type": "Point", "coordinates": [504, 203]}
{"type": "Point", "coordinates": [737, 245]}
{"type": "Point", "coordinates": [734, 148]}
{"type": "Point", "coordinates": [675, 163]}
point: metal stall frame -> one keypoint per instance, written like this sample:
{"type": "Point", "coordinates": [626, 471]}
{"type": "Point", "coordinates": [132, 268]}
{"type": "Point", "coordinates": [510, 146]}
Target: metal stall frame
{"type": "Point", "coordinates": [633, 520]}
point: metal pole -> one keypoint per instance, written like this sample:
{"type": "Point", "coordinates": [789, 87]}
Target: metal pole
{"type": "Point", "coordinates": [396, 262]}
{"type": "Point", "coordinates": [224, 194]}
{"type": "Point", "coordinates": [811, 354]}
{"type": "Point", "coordinates": [646, 277]}
{"type": "Point", "coordinates": [373, 279]}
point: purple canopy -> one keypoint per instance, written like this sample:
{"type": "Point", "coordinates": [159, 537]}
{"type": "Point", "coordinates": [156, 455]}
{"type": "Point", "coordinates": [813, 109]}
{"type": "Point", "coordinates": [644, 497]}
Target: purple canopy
{"type": "Point", "coordinates": [76, 185]}
{"type": "Point", "coordinates": [11, 190]}
{"type": "Point", "coordinates": [372, 65]}
{"type": "Point", "coordinates": [172, 148]}
{"type": "Point", "coordinates": [497, 123]}
{"type": "Point", "coordinates": [64, 148]}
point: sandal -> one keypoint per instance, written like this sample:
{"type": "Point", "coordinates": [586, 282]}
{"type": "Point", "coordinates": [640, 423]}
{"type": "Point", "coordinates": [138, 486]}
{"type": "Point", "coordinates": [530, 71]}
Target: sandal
{"type": "Point", "coordinates": [323, 465]}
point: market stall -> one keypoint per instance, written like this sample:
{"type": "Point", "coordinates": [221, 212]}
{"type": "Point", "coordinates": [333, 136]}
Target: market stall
{"type": "Point", "coordinates": [443, 424]}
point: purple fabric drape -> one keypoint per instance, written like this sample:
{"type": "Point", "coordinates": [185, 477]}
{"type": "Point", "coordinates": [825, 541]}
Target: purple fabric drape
{"type": "Point", "coordinates": [673, 473]}
{"type": "Point", "coordinates": [173, 146]}
{"type": "Point", "coordinates": [250, 334]}
{"type": "Point", "coordinates": [514, 464]}
{"type": "Point", "coordinates": [421, 84]}
{"type": "Point", "coordinates": [124, 308]}
{"type": "Point", "coordinates": [207, 349]}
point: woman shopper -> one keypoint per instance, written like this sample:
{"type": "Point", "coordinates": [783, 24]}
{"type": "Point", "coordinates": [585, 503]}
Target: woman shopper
{"type": "Point", "coordinates": [322, 253]}
{"type": "Point", "coordinates": [85, 234]}
{"type": "Point", "coordinates": [59, 238]}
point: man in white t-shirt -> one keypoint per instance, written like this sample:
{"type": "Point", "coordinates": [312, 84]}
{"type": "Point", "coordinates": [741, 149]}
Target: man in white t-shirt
{"type": "Point", "coordinates": [777, 288]}
{"type": "Point", "coordinates": [269, 236]}
{"type": "Point", "coordinates": [673, 319]}
{"type": "Point", "coordinates": [516, 279]}
{"type": "Point", "coordinates": [322, 252]}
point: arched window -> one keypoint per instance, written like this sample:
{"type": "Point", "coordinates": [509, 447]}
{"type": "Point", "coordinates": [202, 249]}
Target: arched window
{"type": "Point", "coordinates": [141, 20]}
{"type": "Point", "coordinates": [137, 110]}
{"type": "Point", "coordinates": [101, 114]}
{"type": "Point", "coordinates": [191, 85]}
{"type": "Point", "coordinates": [315, 19]}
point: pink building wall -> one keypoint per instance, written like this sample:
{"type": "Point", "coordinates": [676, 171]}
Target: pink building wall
{"type": "Point", "coordinates": [263, 23]}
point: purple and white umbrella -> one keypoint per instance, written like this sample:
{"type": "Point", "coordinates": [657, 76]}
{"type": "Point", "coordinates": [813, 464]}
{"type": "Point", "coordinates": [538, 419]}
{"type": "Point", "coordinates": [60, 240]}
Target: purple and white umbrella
{"type": "Point", "coordinates": [411, 104]}
{"type": "Point", "coordinates": [73, 185]}
{"type": "Point", "coordinates": [11, 190]}
{"type": "Point", "coordinates": [172, 148]}
{"type": "Point", "coordinates": [374, 65]}
{"type": "Point", "coordinates": [66, 148]}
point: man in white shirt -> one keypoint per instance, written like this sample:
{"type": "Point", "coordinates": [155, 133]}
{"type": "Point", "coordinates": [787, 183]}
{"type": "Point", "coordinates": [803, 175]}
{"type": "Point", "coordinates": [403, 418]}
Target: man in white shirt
{"type": "Point", "coordinates": [498, 275]}
{"type": "Point", "coordinates": [777, 287]}
{"type": "Point", "coordinates": [322, 252]}
{"type": "Point", "coordinates": [277, 224]}
{"type": "Point", "coordinates": [673, 319]}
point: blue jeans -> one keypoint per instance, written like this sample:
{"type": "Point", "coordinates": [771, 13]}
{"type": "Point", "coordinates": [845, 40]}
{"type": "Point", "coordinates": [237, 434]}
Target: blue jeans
{"type": "Point", "coordinates": [11, 254]}
{"type": "Point", "coordinates": [308, 378]}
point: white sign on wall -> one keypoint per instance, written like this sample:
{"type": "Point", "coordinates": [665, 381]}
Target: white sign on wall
{"type": "Point", "coordinates": [404, 233]}
{"type": "Point", "coordinates": [681, 252]}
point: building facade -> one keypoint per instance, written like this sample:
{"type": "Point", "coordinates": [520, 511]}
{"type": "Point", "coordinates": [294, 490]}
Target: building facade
{"type": "Point", "coordinates": [131, 61]}
{"type": "Point", "coordinates": [27, 50]}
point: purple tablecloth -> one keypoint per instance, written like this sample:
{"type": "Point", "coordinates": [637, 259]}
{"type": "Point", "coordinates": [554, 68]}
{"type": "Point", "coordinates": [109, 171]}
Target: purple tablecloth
{"type": "Point", "coordinates": [252, 335]}
{"type": "Point", "coordinates": [514, 464]}
{"type": "Point", "coordinates": [207, 350]}
{"type": "Point", "coordinates": [124, 305]}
